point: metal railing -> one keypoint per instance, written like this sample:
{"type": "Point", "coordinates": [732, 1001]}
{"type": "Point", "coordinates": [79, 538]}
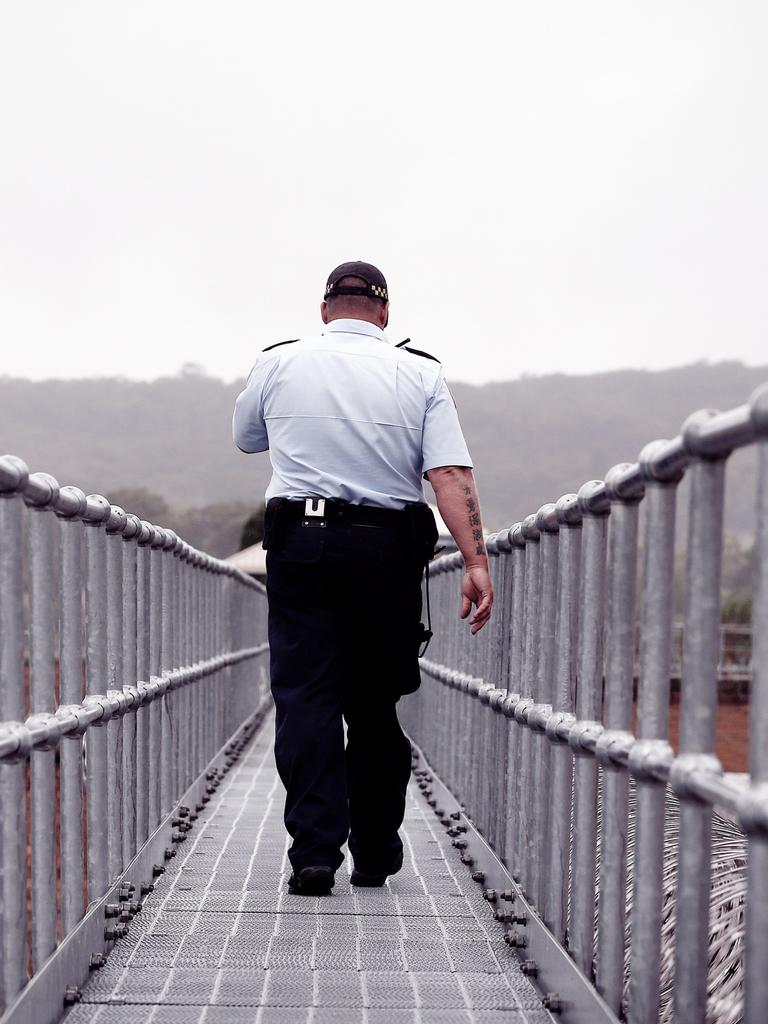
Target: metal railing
{"type": "Point", "coordinates": [607, 832]}
{"type": "Point", "coordinates": [125, 665]}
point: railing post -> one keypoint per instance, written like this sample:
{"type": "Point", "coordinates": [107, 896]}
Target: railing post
{"type": "Point", "coordinates": [70, 506]}
{"type": "Point", "coordinates": [445, 651]}
{"type": "Point", "coordinates": [97, 511]}
{"type": "Point", "coordinates": [548, 527]}
{"type": "Point", "coordinates": [156, 708]}
{"type": "Point", "coordinates": [502, 613]}
{"type": "Point", "coordinates": [756, 940]}
{"type": "Point", "coordinates": [206, 684]}
{"type": "Point", "coordinates": [206, 703]}
{"type": "Point", "coordinates": [178, 721]}
{"type": "Point", "coordinates": [514, 690]}
{"type": "Point", "coordinates": [697, 725]}
{"type": "Point", "coordinates": [180, 659]}
{"type": "Point", "coordinates": [525, 792]}
{"type": "Point", "coordinates": [216, 678]}
{"type": "Point", "coordinates": [206, 708]}
{"type": "Point", "coordinates": [13, 816]}
{"type": "Point", "coordinates": [217, 640]}
{"type": "Point", "coordinates": [557, 859]}
{"type": "Point", "coordinates": [595, 508]}
{"type": "Point", "coordinates": [194, 656]}
{"type": "Point", "coordinates": [143, 672]}
{"type": "Point", "coordinates": [114, 527]}
{"type": "Point", "coordinates": [185, 658]}
{"type": "Point", "coordinates": [131, 532]}
{"type": "Point", "coordinates": [491, 664]}
{"type": "Point", "coordinates": [625, 488]}
{"type": "Point", "coordinates": [167, 704]}
{"type": "Point", "coordinates": [463, 663]}
{"type": "Point", "coordinates": [662, 470]}
{"type": "Point", "coordinates": [40, 493]}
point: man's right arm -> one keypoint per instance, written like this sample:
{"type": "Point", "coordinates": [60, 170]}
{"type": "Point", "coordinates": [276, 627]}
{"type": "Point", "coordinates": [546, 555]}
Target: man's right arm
{"type": "Point", "coordinates": [459, 505]}
{"type": "Point", "coordinates": [249, 431]}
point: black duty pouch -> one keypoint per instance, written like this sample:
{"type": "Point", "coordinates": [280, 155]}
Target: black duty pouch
{"type": "Point", "coordinates": [272, 522]}
{"type": "Point", "coordinates": [423, 530]}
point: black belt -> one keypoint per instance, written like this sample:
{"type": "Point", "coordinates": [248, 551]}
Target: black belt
{"type": "Point", "coordinates": [314, 511]}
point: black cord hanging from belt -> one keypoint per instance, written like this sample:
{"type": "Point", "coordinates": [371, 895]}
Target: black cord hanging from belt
{"type": "Point", "coordinates": [426, 633]}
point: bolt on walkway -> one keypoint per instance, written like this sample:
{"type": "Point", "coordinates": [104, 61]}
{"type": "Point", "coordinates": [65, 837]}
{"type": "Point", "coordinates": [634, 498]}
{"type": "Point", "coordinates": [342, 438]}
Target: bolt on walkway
{"type": "Point", "coordinates": [220, 941]}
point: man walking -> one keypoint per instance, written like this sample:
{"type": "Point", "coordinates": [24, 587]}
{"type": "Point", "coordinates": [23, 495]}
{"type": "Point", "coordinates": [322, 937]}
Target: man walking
{"type": "Point", "coordinates": [352, 424]}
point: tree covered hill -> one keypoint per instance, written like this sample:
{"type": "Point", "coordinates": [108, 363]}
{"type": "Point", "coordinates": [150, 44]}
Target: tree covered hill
{"type": "Point", "coordinates": [532, 439]}
{"type": "Point", "coordinates": [536, 438]}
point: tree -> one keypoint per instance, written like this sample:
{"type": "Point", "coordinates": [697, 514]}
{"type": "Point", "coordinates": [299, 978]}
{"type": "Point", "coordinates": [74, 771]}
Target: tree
{"type": "Point", "coordinates": [253, 528]}
{"type": "Point", "coordinates": [737, 611]}
{"type": "Point", "coordinates": [213, 528]}
{"type": "Point", "coordinates": [142, 503]}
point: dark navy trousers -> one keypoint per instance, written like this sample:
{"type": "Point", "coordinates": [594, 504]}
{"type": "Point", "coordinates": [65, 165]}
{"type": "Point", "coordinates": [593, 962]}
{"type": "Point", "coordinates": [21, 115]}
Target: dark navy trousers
{"type": "Point", "coordinates": [344, 611]}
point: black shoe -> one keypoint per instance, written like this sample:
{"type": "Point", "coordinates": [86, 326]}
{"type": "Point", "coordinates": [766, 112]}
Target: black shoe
{"type": "Point", "coordinates": [363, 880]}
{"type": "Point", "coordinates": [312, 881]}
{"type": "Point", "coordinates": [367, 881]}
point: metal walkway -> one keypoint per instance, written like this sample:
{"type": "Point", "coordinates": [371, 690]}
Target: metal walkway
{"type": "Point", "coordinates": [221, 942]}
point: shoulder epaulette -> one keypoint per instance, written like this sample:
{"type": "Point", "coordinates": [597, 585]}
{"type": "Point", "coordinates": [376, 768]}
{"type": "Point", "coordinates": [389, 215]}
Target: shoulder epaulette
{"type": "Point", "coordinates": [277, 344]}
{"type": "Point", "coordinates": [416, 351]}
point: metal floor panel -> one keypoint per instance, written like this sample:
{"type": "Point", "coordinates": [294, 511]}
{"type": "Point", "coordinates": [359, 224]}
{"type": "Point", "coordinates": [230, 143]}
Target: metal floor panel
{"type": "Point", "coordinates": [221, 941]}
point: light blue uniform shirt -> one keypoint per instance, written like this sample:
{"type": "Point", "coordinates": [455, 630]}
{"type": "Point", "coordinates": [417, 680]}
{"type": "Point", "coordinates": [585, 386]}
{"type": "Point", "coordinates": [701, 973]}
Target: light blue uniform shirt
{"type": "Point", "coordinates": [348, 415]}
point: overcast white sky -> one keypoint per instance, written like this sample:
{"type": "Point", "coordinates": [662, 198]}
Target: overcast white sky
{"type": "Point", "coordinates": [549, 186]}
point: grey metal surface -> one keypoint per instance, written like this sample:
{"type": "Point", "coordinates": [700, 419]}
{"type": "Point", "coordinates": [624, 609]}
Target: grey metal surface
{"type": "Point", "coordinates": [40, 1002]}
{"type": "Point", "coordinates": [653, 724]}
{"type": "Point", "coordinates": [220, 939]}
{"type": "Point", "coordinates": [617, 715]}
{"type": "Point", "coordinates": [542, 955]}
{"type": "Point", "coordinates": [41, 704]}
{"type": "Point", "coordinates": [756, 989]}
{"type": "Point", "coordinates": [581, 923]}
{"type": "Point", "coordinates": [72, 692]}
{"type": "Point", "coordinates": [77, 624]}
{"type": "Point", "coordinates": [555, 909]}
{"type": "Point", "coordinates": [627, 875]}
{"type": "Point", "coordinates": [13, 812]}
{"type": "Point", "coordinates": [626, 852]}
{"type": "Point", "coordinates": [697, 734]}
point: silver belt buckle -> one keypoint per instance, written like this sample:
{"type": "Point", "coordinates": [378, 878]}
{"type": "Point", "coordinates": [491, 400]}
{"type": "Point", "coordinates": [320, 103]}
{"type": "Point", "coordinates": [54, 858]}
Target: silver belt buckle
{"type": "Point", "coordinates": [314, 508]}
{"type": "Point", "coordinates": [310, 509]}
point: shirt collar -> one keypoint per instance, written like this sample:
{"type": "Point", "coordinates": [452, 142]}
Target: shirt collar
{"type": "Point", "coordinates": [350, 326]}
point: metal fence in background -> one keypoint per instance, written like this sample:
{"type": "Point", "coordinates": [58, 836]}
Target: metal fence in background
{"type": "Point", "coordinates": [609, 833]}
{"type": "Point", "coordinates": [734, 665]}
{"type": "Point", "coordinates": [126, 663]}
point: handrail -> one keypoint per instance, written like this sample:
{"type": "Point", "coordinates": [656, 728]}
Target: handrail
{"type": "Point", "coordinates": [530, 725]}
{"type": "Point", "coordinates": [126, 663]}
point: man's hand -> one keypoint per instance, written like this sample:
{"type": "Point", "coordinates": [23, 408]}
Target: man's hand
{"type": "Point", "coordinates": [476, 589]}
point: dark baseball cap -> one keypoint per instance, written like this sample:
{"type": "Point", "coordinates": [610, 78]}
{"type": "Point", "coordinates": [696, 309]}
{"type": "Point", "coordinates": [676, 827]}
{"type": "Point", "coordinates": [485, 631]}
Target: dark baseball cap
{"type": "Point", "coordinates": [375, 282]}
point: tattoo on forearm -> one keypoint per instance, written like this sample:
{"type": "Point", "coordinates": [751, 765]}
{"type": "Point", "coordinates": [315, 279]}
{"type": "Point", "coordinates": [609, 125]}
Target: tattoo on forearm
{"type": "Point", "coordinates": [474, 521]}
